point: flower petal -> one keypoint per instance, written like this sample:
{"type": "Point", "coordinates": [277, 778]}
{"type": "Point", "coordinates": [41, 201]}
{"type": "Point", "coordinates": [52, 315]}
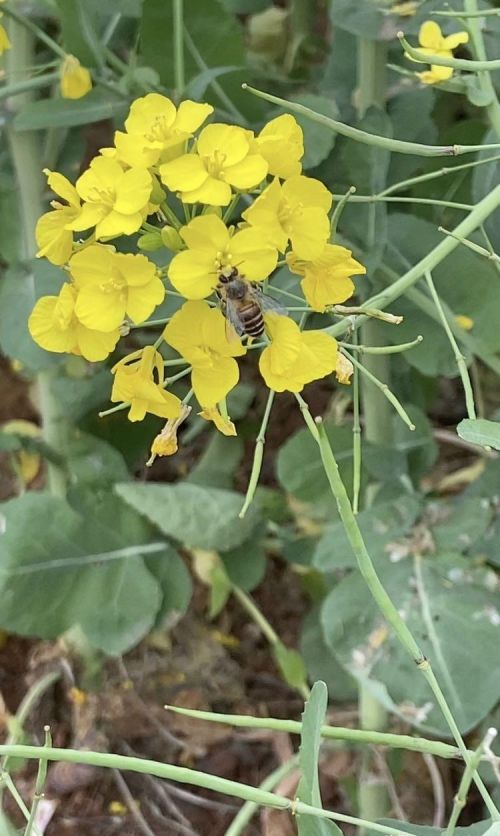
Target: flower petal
{"type": "Point", "coordinates": [213, 192]}
{"type": "Point", "coordinates": [452, 41]}
{"type": "Point", "coordinates": [212, 384]}
{"type": "Point", "coordinates": [309, 231]}
{"type": "Point", "coordinates": [100, 310]}
{"type": "Point", "coordinates": [133, 191]}
{"type": "Point", "coordinates": [430, 35]}
{"type": "Point", "coordinates": [95, 345]}
{"type": "Point", "coordinates": [62, 187]}
{"type": "Point", "coordinates": [306, 191]}
{"type": "Point", "coordinates": [193, 274]}
{"type": "Point", "coordinates": [227, 140]}
{"type": "Point", "coordinates": [184, 173]}
{"type": "Point", "coordinates": [190, 115]}
{"type": "Point", "coordinates": [247, 173]}
{"type": "Point", "coordinates": [206, 233]}
{"type": "Point", "coordinates": [254, 257]}
{"type": "Point", "coordinates": [141, 301]}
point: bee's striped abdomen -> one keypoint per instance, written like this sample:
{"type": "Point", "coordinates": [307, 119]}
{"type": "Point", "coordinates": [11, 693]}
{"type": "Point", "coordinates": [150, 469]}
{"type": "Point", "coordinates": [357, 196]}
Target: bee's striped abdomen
{"type": "Point", "coordinates": [252, 319]}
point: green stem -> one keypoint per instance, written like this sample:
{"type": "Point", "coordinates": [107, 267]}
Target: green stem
{"type": "Point", "coordinates": [258, 455]}
{"type": "Point", "coordinates": [479, 13]}
{"type": "Point", "coordinates": [339, 208]}
{"type": "Point", "coordinates": [459, 357]}
{"type": "Point", "coordinates": [489, 254]}
{"type": "Point", "coordinates": [35, 30]}
{"type": "Point", "coordinates": [485, 80]}
{"type": "Point", "coordinates": [16, 795]}
{"type": "Point", "coordinates": [426, 201]}
{"type": "Point", "coordinates": [39, 785]}
{"type": "Point", "coordinates": [382, 349]}
{"type": "Point", "coordinates": [396, 145]}
{"type": "Point", "coordinates": [383, 601]}
{"type": "Point", "coordinates": [385, 297]}
{"type": "Point", "coordinates": [24, 150]}
{"type": "Point", "coordinates": [178, 27]}
{"type": "Point", "coordinates": [432, 175]}
{"type": "Point", "coordinates": [29, 84]}
{"type": "Point", "coordinates": [354, 736]}
{"type": "Point", "coordinates": [456, 63]}
{"type": "Point", "coordinates": [249, 808]}
{"type": "Point", "coordinates": [214, 84]}
{"type": "Point", "coordinates": [356, 437]}
{"type": "Point", "coordinates": [461, 797]}
{"type": "Point", "coordinates": [185, 775]}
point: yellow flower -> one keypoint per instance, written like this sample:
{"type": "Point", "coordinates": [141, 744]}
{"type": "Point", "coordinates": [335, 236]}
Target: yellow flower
{"type": "Point", "coordinates": [295, 210]}
{"type": "Point", "coordinates": [116, 200]}
{"type": "Point", "coordinates": [223, 423]}
{"type": "Point", "coordinates": [114, 285]}
{"type": "Point", "coordinates": [165, 443]}
{"type": "Point", "coordinates": [26, 463]}
{"type": "Point", "coordinates": [295, 357]}
{"type": "Point", "coordinates": [281, 143]}
{"type": "Point", "coordinates": [198, 333]}
{"type": "Point", "coordinates": [327, 278]}
{"type": "Point", "coordinates": [76, 80]}
{"type": "Point", "coordinates": [4, 39]}
{"type": "Point", "coordinates": [464, 322]}
{"type": "Point", "coordinates": [223, 160]}
{"type": "Point", "coordinates": [211, 247]}
{"type": "Point", "coordinates": [344, 369]}
{"type": "Point", "coordinates": [433, 42]}
{"type": "Point", "coordinates": [134, 383]}
{"type": "Point", "coordinates": [54, 325]}
{"type": "Point", "coordinates": [157, 131]}
{"type": "Point", "coordinates": [52, 234]}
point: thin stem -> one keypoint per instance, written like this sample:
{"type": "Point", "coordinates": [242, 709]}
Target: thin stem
{"type": "Point", "coordinates": [356, 440]}
{"type": "Point", "coordinates": [150, 323]}
{"type": "Point", "coordinates": [230, 209]}
{"type": "Point", "coordinates": [258, 455]}
{"type": "Point", "coordinates": [249, 808]}
{"type": "Point", "coordinates": [39, 785]}
{"type": "Point", "coordinates": [396, 145]}
{"type": "Point", "coordinates": [366, 737]}
{"type": "Point", "coordinates": [178, 37]}
{"type": "Point", "coordinates": [432, 175]}
{"type": "Point", "coordinates": [461, 797]}
{"type": "Point", "coordinates": [255, 614]}
{"type": "Point", "coordinates": [171, 216]}
{"type": "Point", "coordinates": [16, 795]}
{"type": "Point", "coordinates": [214, 84]}
{"type": "Point", "coordinates": [456, 63]}
{"type": "Point", "coordinates": [306, 413]}
{"type": "Point", "coordinates": [25, 156]}
{"type": "Point", "coordinates": [485, 80]}
{"type": "Point", "coordinates": [383, 601]}
{"type": "Point", "coordinates": [382, 387]}
{"type": "Point", "coordinates": [35, 30]}
{"type": "Point", "coordinates": [339, 208]}
{"type": "Point", "coordinates": [385, 297]}
{"type": "Point", "coordinates": [287, 293]}
{"type": "Point", "coordinates": [459, 357]}
{"type": "Point", "coordinates": [29, 84]}
{"type": "Point", "coordinates": [479, 13]}
{"type": "Point", "coordinates": [427, 201]}
{"type": "Point", "coordinates": [491, 255]}
{"type": "Point", "coordinates": [382, 349]}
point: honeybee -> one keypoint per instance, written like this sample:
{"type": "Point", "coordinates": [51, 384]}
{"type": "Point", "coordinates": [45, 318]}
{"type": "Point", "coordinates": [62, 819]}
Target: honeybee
{"type": "Point", "coordinates": [243, 303]}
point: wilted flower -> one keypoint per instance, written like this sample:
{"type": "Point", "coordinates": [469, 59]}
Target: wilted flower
{"type": "Point", "coordinates": [52, 234]}
{"type": "Point", "coordinates": [135, 384]}
{"type": "Point", "coordinates": [76, 80]}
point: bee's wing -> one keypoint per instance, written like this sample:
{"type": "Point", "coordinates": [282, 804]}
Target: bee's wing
{"type": "Point", "coordinates": [269, 304]}
{"type": "Point", "coordinates": [234, 326]}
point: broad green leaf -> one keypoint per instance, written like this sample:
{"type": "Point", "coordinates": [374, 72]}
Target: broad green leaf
{"type": "Point", "coordinates": [290, 663]}
{"type": "Point", "coordinates": [488, 488]}
{"type": "Point", "coordinates": [65, 113]}
{"type": "Point", "coordinates": [459, 525]}
{"type": "Point", "coordinates": [77, 568]}
{"type": "Point", "coordinates": [451, 609]}
{"type": "Point", "coordinates": [411, 114]}
{"type": "Point", "coordinates": [220, 589]}
{"type": "Point", "coordinates": [410, 239]}
{"type": "Point", "coordinates": [318, 139]}
{"type": "Point", "coordinates": [197, 516]}
{"type": "Point", "coordinates": [10, 222]}
{"type": "Point", "coordinates": [78, 395]}
{"type": "Point", "coordinates": [218, 463]}
{"type": "Point", "coordinates": [198, 85]}
{"type": "Point", "coordinates": [480, 431]}
{"type": "Point", "coordinates": [79, 24]}
{"type": "Point", "coordinates": [246, 564]}
{"type": "Point", "coordinates": [18, 292]}
{"type": "Point", "coordinates": [171, 573]}
{"type": "Point", "coordinates": [381, 526]}
{"type": "Point", "coordinates": [365, 18]}
{"type": "Point", "coordinates": [308, 790]}
{"type": "Point", "coordinates": [91, 461]}
{"type": "Point", "coordinates": [321, 662]}
{"type": "Point", "coordinates": [301, 473]}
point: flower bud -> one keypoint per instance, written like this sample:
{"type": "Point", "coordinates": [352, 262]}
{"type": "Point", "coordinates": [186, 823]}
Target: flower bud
{"type": "Point", "coordinates": [171, 239]}
{"type": "Point", "coordinates": [150, 241]}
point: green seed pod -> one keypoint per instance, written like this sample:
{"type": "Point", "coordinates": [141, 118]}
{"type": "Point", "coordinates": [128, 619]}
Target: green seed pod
{"type": "Point", "coordinates": [150, 241]}
{"type": "Point", "coordinates": [158, 195]}
{"type": "Point", "coordinates": [171, 239]}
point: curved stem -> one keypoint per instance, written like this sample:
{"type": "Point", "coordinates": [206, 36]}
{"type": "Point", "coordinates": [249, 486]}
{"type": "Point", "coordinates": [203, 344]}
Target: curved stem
{"type": "Point", "coordinates": [455, 63]}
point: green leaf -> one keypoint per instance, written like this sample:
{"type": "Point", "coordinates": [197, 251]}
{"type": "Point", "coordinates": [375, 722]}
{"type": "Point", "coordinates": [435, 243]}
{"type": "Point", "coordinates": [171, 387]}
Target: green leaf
{"type": "Point", "coordinates": [77, 568]}
{"type": "Point", "coordinates": [380, 525]}
{"type": "Point", "coordinates": [301, 473]}
{"type": "Point", "coordinates": [246, 564]}
{"type": "Point", "coordinates": [320, 661]}
{"type": "Point", "coordinates": [451, 609]}
{"type": "Point", "coordinates": [318, 139]}
{"type": "Point", "coordinates": [18, 293]}
{"type": "Point", "coordinates": [218, 463]}
{"type": "Point", "coordinates": [65, 113]}
{"type": "Point", "coordinates": [174, 580]}
{"type": "Point", "coordinates": [197, 516]}
{"type": "Point", "coordinates": [76, 396]}
{"type": "Point", "coordinates": [79, 23]}
{"type": "Point", "coordinates": [480, 431]}
{"type": "Point", "coordinates": [220, 589]}
{"type": "Point", "coordinates": [92, 461]}
{"type": "Point", "coordinates": [197, 86]}
{"type": "Point", "coordinates": [460, 525]}
{"type": "Point", "coordinates": [10, 223]}
{"type": "Point", "coordinates": [484, 179]}
{"type": "Point", "coordinates": [290, 663]}
{"type": "Point", "coordinates": [308, 790]}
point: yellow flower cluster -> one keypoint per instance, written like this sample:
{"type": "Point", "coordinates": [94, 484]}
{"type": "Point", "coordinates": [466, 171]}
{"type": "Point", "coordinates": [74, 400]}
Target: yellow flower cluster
{"type": "Point", "coordinates": [433, 42]}
{"type": "Point", "coordinates": [167, 152]}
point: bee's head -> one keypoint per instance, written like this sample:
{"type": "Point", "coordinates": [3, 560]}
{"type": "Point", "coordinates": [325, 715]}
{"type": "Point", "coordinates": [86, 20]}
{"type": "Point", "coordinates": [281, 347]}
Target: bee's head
{"type": "Point", "coordinates": [227, 274]}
